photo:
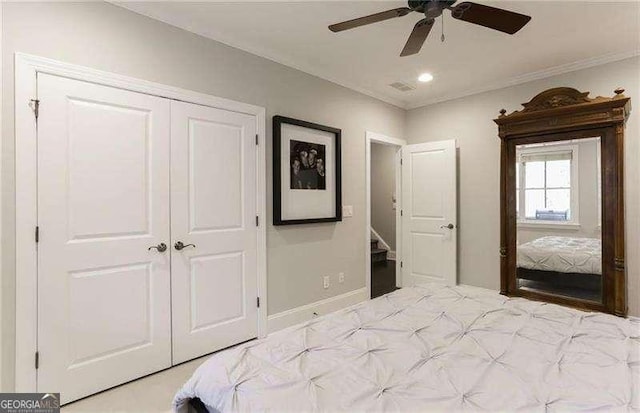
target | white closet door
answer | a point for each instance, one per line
(103, 200)
(213, 207)
(429, 210)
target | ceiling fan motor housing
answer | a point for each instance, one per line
(424, 5)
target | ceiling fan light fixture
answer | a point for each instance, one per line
(425, 77)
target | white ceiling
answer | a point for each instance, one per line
(562, 36)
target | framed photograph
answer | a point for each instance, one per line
(307, 185)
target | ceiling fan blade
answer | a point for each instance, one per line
(418, 36)
(373, 18)
(491, 17)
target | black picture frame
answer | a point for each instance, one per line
(277, 172)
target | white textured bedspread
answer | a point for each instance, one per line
(432, 348)
(562, 254)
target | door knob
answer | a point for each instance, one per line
(450, 226)
(162, 247)
(180, 245)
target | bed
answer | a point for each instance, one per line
(430, 348)
(562, 262)
(562, 254)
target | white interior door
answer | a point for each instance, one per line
(103, 200)
(213, 211)
(429, 211)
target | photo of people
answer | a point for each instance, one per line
(307, 165)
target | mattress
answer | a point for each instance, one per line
(562, 254)
(431, 348)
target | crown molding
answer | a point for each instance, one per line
(402, 104)
(530, 77)
(269, 55)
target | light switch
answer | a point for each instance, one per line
(347, 211)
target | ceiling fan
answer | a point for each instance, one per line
(491, 17)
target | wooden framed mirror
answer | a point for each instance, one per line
(562, 200)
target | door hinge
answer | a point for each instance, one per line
(37, 359)
(257, 221)
(400, 264)
(37, 234)
(400, 161)
(35, 105)
(256, 139)
(258, 301)
(401, 212)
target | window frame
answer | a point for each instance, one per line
(522, 220)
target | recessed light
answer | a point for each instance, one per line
(425, 77)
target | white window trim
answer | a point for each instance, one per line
(549, 224)
(574, 223)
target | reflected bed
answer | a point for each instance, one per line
(562, 255)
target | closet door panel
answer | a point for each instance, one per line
(213, 210)
(103, 200)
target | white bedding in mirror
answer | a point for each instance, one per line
(562, 254)
(431, 348)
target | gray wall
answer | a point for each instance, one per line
(383, 186)
(106, 37)
(469, 120)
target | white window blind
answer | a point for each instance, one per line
(546, 156)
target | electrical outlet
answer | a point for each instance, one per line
(347, 211)
(341, 277)
(325, 280)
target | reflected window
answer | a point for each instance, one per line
(545, 183)
(552, 259)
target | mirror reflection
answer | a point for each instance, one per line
(558, 203)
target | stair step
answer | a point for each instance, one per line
(374, 244)
(378, 255)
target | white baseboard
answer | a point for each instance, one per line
(303, 313)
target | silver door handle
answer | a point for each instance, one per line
(450, 226)
(180, 245)
(162, 247)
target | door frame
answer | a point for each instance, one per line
(26, 69)
(370, 138)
